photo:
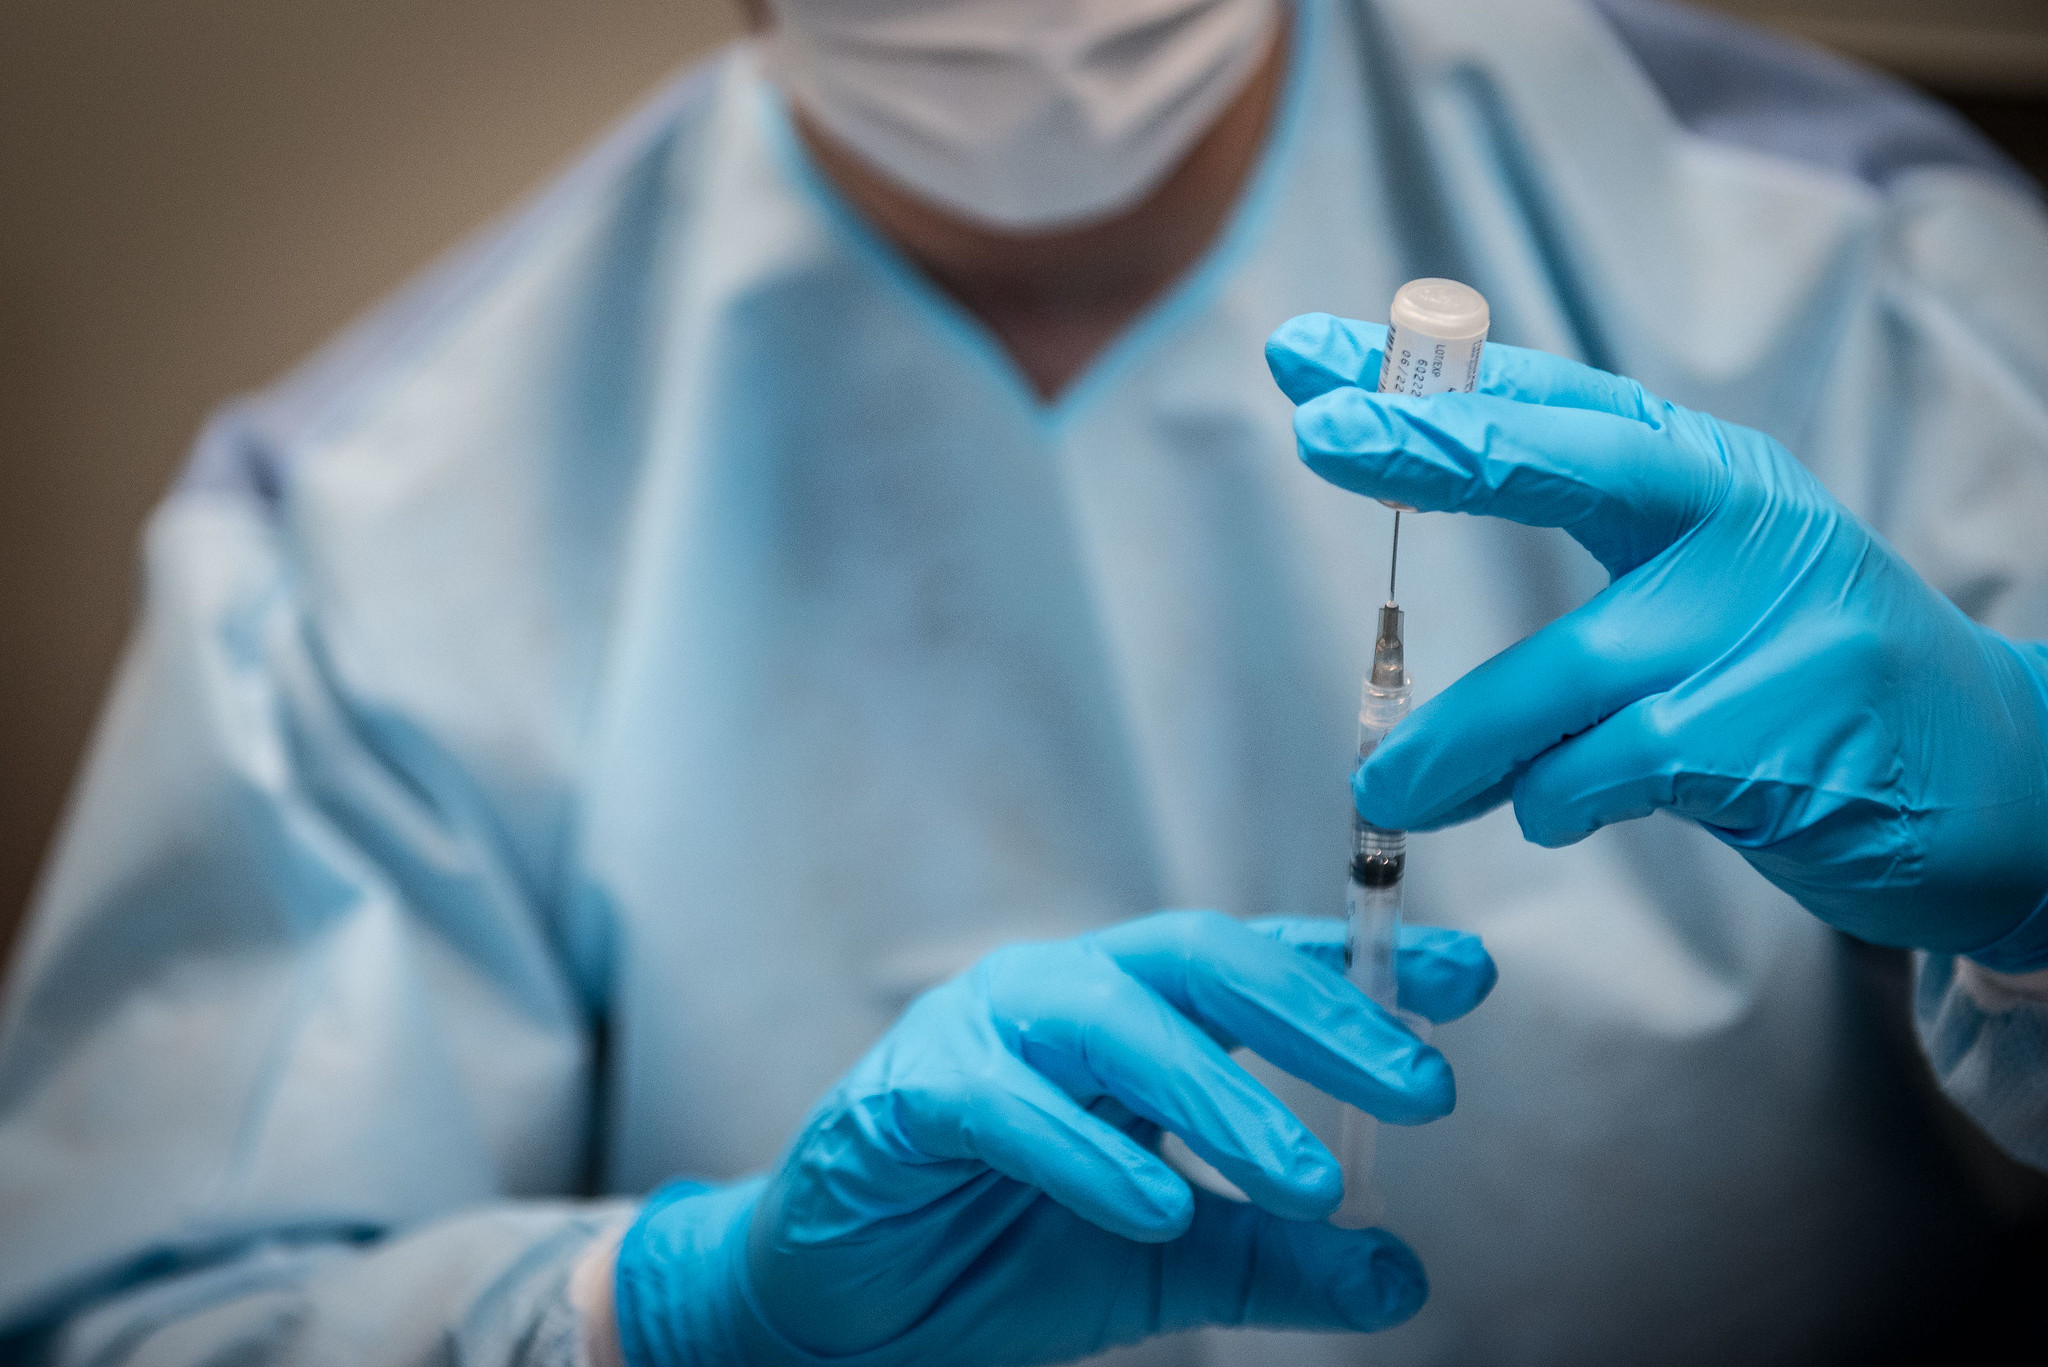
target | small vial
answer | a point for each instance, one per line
(1435, 331)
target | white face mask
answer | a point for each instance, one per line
(1021, 114)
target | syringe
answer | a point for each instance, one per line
(1437, 328)
(1372, 909)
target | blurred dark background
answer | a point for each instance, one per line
(195, 194)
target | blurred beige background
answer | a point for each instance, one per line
(194, 194)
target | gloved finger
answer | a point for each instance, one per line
(1094, 1030)
(1660, 754)
(1478, 805)
(1614, 772)
(1239, 1265)
(1442, 974)
(1621, 488)
(1455, 755)
(1293, 1012)
(1319, 352)
(1512, 372)
(1018, 1122)
(1320, 938)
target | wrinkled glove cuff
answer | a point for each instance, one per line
(683, 1296)
(2024, 949)
(678, 1278)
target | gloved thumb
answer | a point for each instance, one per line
(1239, 1265)
(1316, 353)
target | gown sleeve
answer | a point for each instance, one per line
(291, 1068)
(1987, 1036)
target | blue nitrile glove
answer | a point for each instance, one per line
(983, 1188)
(1761, 662)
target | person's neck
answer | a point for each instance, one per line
(1056, 299)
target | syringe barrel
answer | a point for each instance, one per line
(1380, 708)
(1379, 858)
(1373, 916)
(1372, 910)
(1358, 1143)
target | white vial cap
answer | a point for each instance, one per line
(1441, 309)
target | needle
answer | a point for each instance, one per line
(1394, 560)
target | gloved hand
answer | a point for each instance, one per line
(983, 1188)
(1761, 662)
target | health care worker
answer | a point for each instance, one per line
(847, 527)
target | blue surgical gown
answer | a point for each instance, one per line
(573, 714)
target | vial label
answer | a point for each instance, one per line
(1417, 365)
